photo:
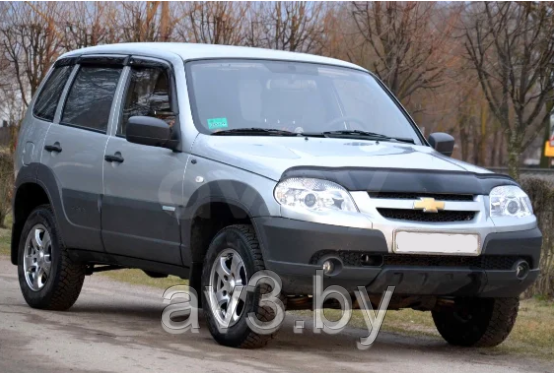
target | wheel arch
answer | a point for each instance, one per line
(28, 196)
(35, 185)
(212, 207)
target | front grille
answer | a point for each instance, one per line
(437, 196)
(361, 259)
(417, 215)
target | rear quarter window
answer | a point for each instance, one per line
(47, 100)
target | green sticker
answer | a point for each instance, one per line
(217, 123)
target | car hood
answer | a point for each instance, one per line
(270, 156)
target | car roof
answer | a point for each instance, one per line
(195, 51)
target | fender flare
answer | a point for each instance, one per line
(34, 174)
(232, 192)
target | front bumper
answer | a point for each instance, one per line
(295, 250)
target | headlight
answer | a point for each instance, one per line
(510, 200)
(314, 195)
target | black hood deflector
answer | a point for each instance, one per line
(404, 180)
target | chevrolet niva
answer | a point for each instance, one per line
(213, 163)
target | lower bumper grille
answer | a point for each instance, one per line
(360, 259)
(484, 262)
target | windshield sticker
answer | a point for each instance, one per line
(217, 123)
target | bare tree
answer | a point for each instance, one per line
(402, 43)
(88, 24)
(140, 21)
(212, 22)
(511, 47)
(31, 44)
(283, 25)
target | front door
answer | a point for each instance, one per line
(143, 184)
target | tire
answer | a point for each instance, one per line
(60, 288)
(239, 239)
(477, 322)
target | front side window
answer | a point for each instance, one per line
(292, 96)
(47, 100)
(90, 99)
(148, 94)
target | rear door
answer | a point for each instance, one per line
(39, 119)
(74, 148)
(143, 184)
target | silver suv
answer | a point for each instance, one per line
(213, 163)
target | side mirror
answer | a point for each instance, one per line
(148, 131)
(442, 142)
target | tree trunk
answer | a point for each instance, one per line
(545, 161)
(483, 134)
(494, 148)
(164, 22)
(514, 153)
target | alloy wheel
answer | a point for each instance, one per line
(228, 275)
(37, 257)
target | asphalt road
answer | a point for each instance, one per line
(116, 327)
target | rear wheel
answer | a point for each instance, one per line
(477, 322)
(47, 276)
(233, 257)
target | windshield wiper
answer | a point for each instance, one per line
(255, 131)
(372, 135)
(277, 132)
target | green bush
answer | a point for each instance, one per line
(541, 193)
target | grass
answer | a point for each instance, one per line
(533, 334)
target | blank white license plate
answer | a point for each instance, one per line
(436, 243)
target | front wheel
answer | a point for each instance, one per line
(233, 257)
(477, 322)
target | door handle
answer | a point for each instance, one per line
(56, 148)
(117, 158)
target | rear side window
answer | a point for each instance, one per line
(47, 100)
(148, 95)
(90, 98)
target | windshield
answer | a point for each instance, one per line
(291, 96)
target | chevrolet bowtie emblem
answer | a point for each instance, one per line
(428, 205)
